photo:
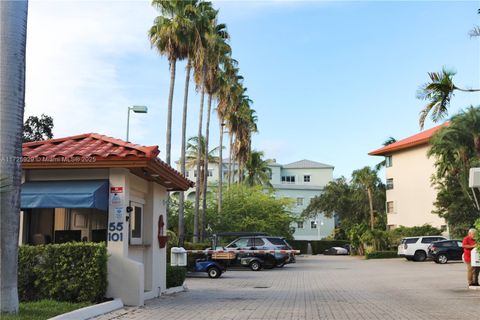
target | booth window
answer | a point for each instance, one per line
(136, 223)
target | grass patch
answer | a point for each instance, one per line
(43, 309)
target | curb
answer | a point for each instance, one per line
(175, 290)
(474, 288)
(91, 311)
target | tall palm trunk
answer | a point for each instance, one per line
(169, 111)
(230, 169)
(370, 203)
(220, 169)
(205, 168)
(198, 186)
(13, 34)
(181, 198)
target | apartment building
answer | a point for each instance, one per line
(410, 194)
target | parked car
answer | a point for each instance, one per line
(257, 261)
(416, 248)
(336, 251)
(444, 251)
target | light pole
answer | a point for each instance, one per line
(318, 223)
(136, 109)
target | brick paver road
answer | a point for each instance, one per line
(322, 287)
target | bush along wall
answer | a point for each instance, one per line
(73, 272)
(381, 255)
(175, 276)
(318, 246)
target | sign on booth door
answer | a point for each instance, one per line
(136, 223)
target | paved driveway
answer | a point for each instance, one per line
(322, 287)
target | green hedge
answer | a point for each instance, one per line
(73, 272)
(381, 255)
(318, 246)
(175, 276)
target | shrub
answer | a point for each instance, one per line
(318, 246)
(196, 246)
(73, 272)
(381, 255)
(175, 276)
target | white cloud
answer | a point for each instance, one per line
(74, 50)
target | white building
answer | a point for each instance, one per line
(410, 194)
(300, 181)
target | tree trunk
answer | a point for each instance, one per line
(181, 196)
(230, 160)
(205, 169)
(13, 33)
(169, 110)
(220, 169)
(198, 181)
(370, 203)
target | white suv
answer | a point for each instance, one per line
(416, 248)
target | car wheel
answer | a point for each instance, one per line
(442, 259)
(214, 272)
(255, 266)
(420, 255)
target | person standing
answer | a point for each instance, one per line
(468, 244)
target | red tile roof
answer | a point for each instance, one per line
(88, 145)
(106, 152)
(412, 141)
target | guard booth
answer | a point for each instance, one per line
(96, 188)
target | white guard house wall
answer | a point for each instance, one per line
(136, 271)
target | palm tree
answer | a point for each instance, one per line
(193, 11)
(438, 92)
(171, 35)
(194, 148)
(383, 163)
(456, 147)
(258, 171)
(217, 53)
(13, 34)
(367, 179)
(228, 82)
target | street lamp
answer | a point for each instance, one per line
(136, 109)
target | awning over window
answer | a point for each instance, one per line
(65, 194)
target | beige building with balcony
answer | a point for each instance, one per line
(410, 193)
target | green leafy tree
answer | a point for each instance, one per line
(38, 129)
(252, 209)
(456, 148)
(367, 179)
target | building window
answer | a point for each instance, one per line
(210, 172)
(313, 225)
(389, 184)
(195, 173)
(388, 161)
(299, 201)
(136, 223)
(300, 225)
(390, 207)
(270, 174)
(306, 178)
(288, 179)
(187, 174)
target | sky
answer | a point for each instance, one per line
(330, 80)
